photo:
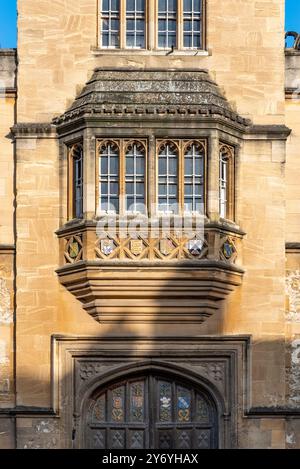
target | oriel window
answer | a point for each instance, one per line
(151, 24)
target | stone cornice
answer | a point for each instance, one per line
(7, 249)
(269, 131)
(33, 129)
(292, 247)
(8, 93)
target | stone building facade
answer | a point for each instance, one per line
(143, 335)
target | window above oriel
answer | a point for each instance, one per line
(152, 25)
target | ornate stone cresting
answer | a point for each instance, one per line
(141, 279)
(296, 38)
(150, 93)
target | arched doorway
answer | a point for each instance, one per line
(151, 411)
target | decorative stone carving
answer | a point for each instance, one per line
(293, 296)
(296, 37)
(6, 314)
(74, 249)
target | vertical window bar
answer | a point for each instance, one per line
(167, 23)
(226, 182)
(135, 177)
(168, 178)
(109, 178)
(77, 161)
(194, 178)
(192, 24)
(135, 24)
(110, 23)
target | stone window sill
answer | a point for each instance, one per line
(167, 53)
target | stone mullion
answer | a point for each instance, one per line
(122, 171)
(212, 175)
(152, 178)
(89, 164)
(123, 24)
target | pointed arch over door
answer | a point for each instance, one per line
(151, 411)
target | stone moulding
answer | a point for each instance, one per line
(82, 365)
(34, 129)
(171, 94)
(154, 285)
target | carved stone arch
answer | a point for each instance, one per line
(200, 145)
(162, 144)
(141, 145)
(103, 144)
(205, 433)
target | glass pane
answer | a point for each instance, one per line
(188, 190)
(140, 41)
(188, 41)
(172, 6)
(118, 404)
(165, 402)
(129, 165)
(162, 5)
(140, 189)
(130, 5)
(202, 411)
(105, 5)
(188, 166)
(114, 165)
(140, 5)
(99, 413)
(137, 402)
(162, 40)
(183, 405)
(115, 5)
(187, 5)
(140, 165)
(114, 204)
(197, 6)
(114, 188)
(129, 188)
(188, 26)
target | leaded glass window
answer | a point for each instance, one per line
(168, 177)
(151, 24)
(192, 24)
(194, 158)
(109, 177)
(110, 23)
(152, 412)
(121, 171)
(135, 24)
(167, 23)
(181, 176)
(135, 177)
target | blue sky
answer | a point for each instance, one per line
(8, 20)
